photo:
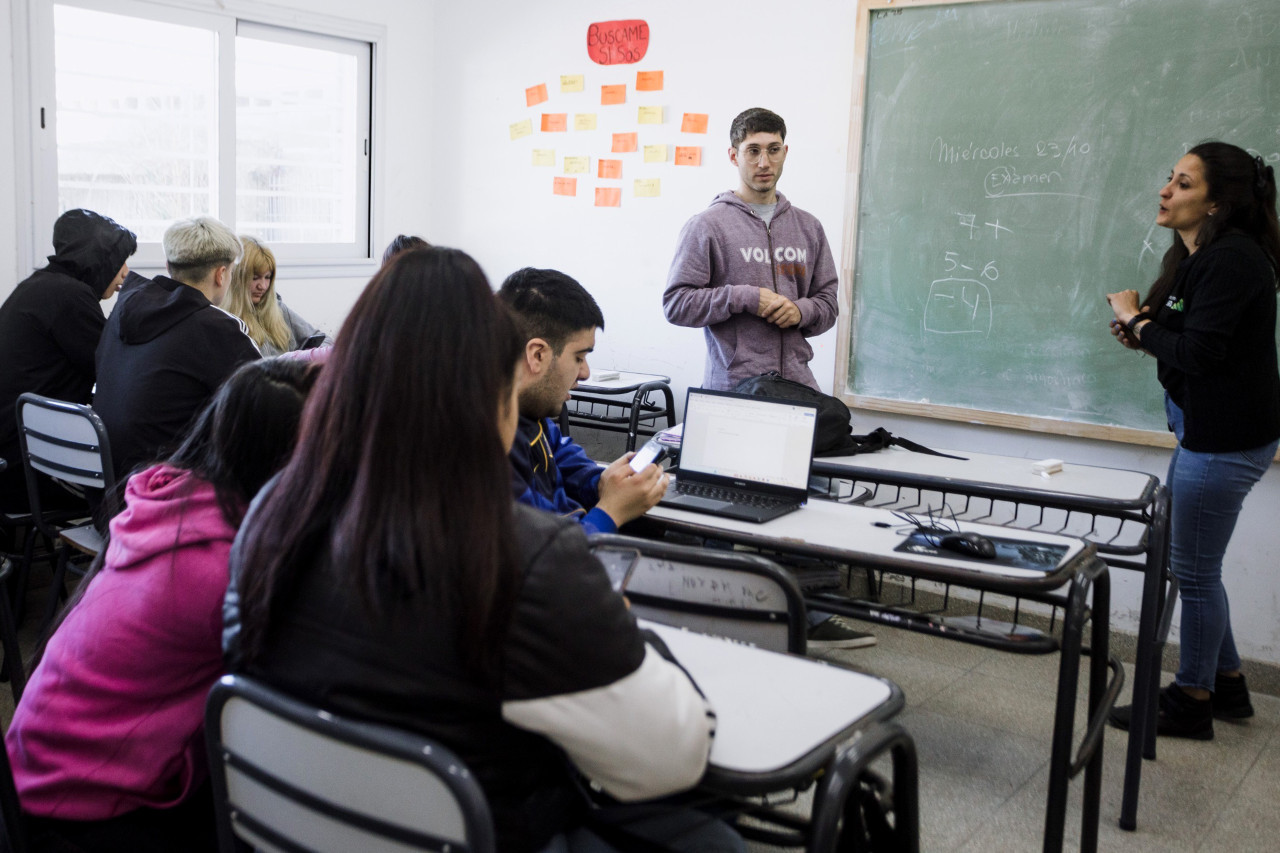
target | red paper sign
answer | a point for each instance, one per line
(617, 42)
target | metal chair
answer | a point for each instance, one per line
(729, 594)
(288, 776)
(13, 833)
(13, 669)
(67, 441)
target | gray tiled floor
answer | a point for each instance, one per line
(981, 723)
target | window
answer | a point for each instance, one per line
(161, 113)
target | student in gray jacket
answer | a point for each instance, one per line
(274, 327)
(755, 273)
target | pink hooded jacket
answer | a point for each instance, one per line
(112, 719)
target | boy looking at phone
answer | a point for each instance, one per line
(558, 319)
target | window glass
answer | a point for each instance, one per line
(137, 109)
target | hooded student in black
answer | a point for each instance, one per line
(50, 326)
(167, 347)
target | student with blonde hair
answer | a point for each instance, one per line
(252, 297)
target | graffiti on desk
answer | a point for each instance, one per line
(705, 585)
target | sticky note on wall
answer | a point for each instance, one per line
(535, 95)
(655, 153)
(648, 81)
(564, 186)
(608, 197)
(577, 165)
(648, 187)
(584, 121)
(572, 82)
(544, 157)
(650, 115)
(613, 95)
(611, 169)
(624, 142)
(521, 129)
(694, 123)
(688, 155)
(555, 122)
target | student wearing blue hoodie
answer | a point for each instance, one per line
(558, 320)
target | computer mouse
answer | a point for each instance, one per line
(969, 544)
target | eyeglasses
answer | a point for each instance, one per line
(757, 155)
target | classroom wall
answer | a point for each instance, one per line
(455, 80)
(795, 59)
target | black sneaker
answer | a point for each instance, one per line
(1178, 715)
(837, 633)
(1231, 698)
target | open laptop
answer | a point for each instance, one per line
(743, 456)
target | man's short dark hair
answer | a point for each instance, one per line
(550, 305)
(756, 120)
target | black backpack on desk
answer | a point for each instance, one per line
(834, 433)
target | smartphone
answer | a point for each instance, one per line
(619, 563)
(312, 342)
(651, 452)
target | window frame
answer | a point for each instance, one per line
(40, 205)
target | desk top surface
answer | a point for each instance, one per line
(772, 709)
(871, 535)
(1113, 488)
(625, 382)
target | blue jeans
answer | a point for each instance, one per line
(1206, 492)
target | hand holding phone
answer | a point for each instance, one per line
(649, 454)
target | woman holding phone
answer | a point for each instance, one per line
(252, 297)
(1210, 321)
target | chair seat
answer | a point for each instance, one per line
(84, 538)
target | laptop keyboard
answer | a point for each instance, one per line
(721, 493)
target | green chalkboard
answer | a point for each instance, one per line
(1008, 164)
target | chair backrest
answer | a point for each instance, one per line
(729, 594)
(289, 776)
(64, 440)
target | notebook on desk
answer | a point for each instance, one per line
(743, 456)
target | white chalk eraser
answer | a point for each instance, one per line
(1046, 466)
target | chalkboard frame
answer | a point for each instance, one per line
(844, 351)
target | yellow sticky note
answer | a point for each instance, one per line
(688, 155)
(648, 187)
(572, 82)
(650, 115)
(521, 129)
(655, 153)
(535, 94)
(584, 121)
(544, 157)
(577, 165)
(648, 81)
(564, 186)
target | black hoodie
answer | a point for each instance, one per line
(165, 351)
(51, 323)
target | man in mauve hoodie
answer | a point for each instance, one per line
(754, 272)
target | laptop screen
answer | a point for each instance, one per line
(762, 440)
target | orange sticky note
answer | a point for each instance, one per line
(555, 122)
(565, 186)
(694, 123)
(535, 94)
(609, 169)
(608, 196)
(648, 81)
(613, 94)
(624, 142)
(688, 155)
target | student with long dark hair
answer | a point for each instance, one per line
(388, 575)
(1210, 321)
(107, 743)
